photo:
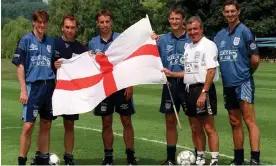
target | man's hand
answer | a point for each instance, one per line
(57, 64)
(167, 72)
(23, 97)
(128, 92)
(154, 36)
(100, 54)
(201, 100)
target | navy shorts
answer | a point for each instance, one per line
(177, 88)
(39, 101)
(232, 95)
(71, 117)
(191, 96)
(116, 102)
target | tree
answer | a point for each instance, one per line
(11, 33)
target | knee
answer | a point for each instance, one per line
(235, 122)
(69, 125)
(209, 129)
(45, 125)
(171, 122)
(127, 122)
(28, 128)
(249, 121)
(107, 124)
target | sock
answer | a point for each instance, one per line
(67, 156)
(130, 153)
(200, 160)
(22, 160)
(108, 155)
(215, 156)
(239, 156)
(255, 155)
(171, 150)
(195, 152)
(43, 159)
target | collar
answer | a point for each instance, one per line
(183, 36)
(43, 39)
(233, 31)
(63, 38)
(108, 41)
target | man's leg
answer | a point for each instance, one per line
(43, 141)
(171, 135)
(200, 139)
(107, 135)
(248, 113)
(129, 139)
(69, 139)
(213, 139)
(25, 142)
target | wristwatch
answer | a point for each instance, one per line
(204, 91)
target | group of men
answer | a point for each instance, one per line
(190, 62)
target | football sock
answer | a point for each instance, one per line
(215, 156)
(255, 155)
(130, 153)
(200, 160)
(239, 156)
(22, 160)
(171, 150)
(195, 152)
(67, 156)
(108, 155)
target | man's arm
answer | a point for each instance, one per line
(21, 78)
(169, 73)
(254, 62)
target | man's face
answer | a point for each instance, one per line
(176, 21)
(40, 25)
(231, 13)
(69, 29)
(194, 30)
(105, 24)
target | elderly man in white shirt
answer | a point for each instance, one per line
(200, 63)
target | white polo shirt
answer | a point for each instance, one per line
(198, 58)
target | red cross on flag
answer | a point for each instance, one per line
(85, 80)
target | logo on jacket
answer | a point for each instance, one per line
(169, 48)
(33, 47)
(222, 44)
(49, 48)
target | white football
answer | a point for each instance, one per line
(186, 158)
(54, 160)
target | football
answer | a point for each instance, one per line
(186, 158)
(54, 160)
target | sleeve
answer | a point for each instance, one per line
(249, 42)
(90, 46)
(54, 58)
(20, 54)
(211, 56)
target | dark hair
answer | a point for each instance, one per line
(70, 17)
(195, 18)
(177, 10)
(40, 14)
(104, 12)
(231, 2)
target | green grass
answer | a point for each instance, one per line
(148, 125)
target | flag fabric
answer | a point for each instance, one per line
(86, 79)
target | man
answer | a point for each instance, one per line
(239, 59)
(200, 62)
(65, 46)
(121, 101)
(171, 49)
(33, 59)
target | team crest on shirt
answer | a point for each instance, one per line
(253, 46)
(236, 41)
(49, 48)
(67, 45)
(182, 60)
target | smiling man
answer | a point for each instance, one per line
(34, 63)
(200, 63)
(65, 46)
(239, 59)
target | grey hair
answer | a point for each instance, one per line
(193, 19)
